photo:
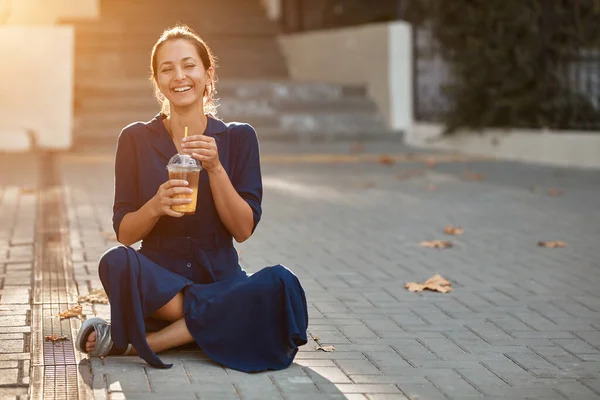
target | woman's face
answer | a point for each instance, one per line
(181, 76)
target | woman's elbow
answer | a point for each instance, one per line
(241, 237)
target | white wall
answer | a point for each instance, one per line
(273, 8)
(378, 56)
(36, 89)
(47, 12)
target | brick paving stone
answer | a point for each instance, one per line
(9, 376)
(522, 321)
(11, 346)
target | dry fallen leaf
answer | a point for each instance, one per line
(95, 296)
(552, 244)
(435, 283)
(73, 312)
(453, 230)
(387, 160)
(54, 338)
(437, 244)
(363, 185)
(328, 349)
(555, 192)
(357, 148)
(430, 162)
(26, 190)
(471, 176)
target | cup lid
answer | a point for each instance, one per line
(184, 160)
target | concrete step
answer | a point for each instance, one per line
(176, 7)
(272, 90)
(228, 106)
(332, 123)
(204, 25)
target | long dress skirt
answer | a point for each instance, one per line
(249, 323)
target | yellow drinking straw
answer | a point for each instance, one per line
(185, 132)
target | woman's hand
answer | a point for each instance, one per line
(204, 149)
(164, 197)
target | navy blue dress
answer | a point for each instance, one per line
(246, 322)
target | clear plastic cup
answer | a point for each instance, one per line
(185, 167)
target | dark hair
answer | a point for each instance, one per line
(206, 55)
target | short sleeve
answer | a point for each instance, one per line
(247, 178)
(125, 200)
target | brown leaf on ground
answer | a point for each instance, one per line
(437, 244)
(95, 296)
(26, 190)
(555, 192)
(552, 244)
(357, 148)
(453, 230)
(472, 176)
(386, 160)
(363, 185)
(436, 283)
(73, 312)
(328, 349)
(430, 162)
(409, 174)
(54, 338)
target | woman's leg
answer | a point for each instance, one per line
(173, 335)
(172, 311)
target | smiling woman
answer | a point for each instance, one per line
(186, 284)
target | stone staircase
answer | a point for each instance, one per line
(112, 87)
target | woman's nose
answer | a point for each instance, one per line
(180, 74)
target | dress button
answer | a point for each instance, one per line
(189, 265)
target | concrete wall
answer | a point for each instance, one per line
(36, 89)
(378, 56)
(47, 12)
(546, 147)
(273, 8)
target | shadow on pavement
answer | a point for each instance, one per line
(195, 376)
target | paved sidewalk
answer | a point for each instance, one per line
(523, 322)
(18, 195)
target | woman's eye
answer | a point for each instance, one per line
(167, 70)
(189, 65)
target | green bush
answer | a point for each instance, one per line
(510, 60)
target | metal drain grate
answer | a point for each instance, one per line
(54, 364)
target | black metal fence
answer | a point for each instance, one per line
(580, 73)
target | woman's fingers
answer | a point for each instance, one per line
(177, 190)
(174, 183)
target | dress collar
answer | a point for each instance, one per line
(163, 142)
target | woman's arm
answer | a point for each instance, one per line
(237, 200)
(233, 211)
(137, 224)
(130, 221)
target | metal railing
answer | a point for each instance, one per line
(578, 74)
